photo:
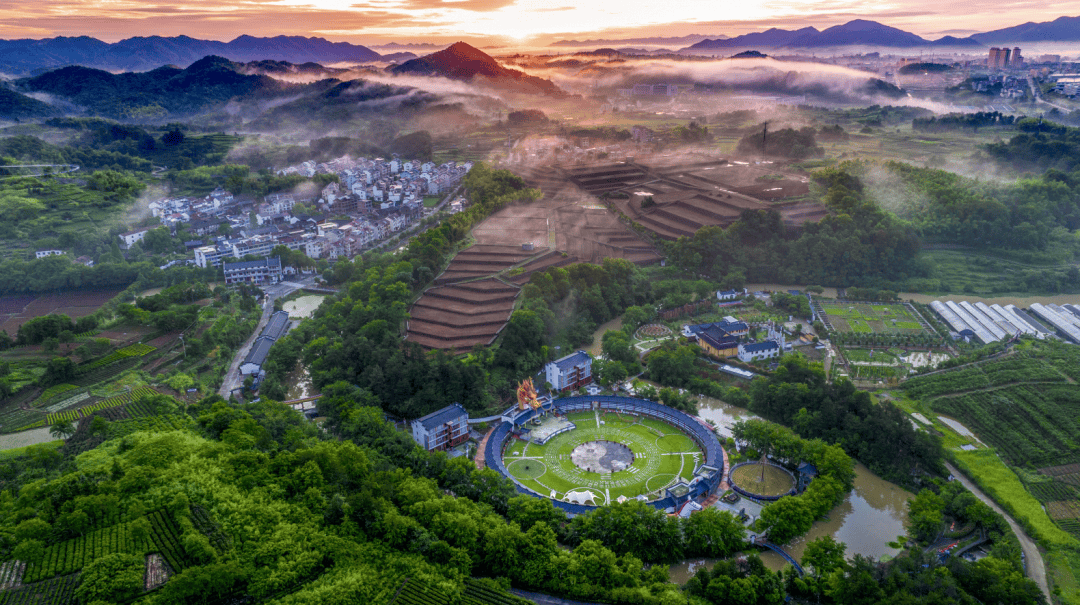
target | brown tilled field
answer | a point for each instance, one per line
(569, 222)
(690, 191)
(1069, 473)
(457, 317)
(19, 309)
(1063, 509)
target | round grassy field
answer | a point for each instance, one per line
(776, 483)
(662, 455)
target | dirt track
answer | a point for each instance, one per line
(1036, 570)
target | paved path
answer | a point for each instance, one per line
(1036, 570)
(546, 599)
(233, 379)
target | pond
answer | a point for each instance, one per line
(871, 516)
(303, 307)
(299, 382)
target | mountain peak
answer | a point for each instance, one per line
(460, 61)
(464, 51)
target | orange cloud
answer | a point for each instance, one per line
(373, 22)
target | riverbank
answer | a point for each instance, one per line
(873, 514)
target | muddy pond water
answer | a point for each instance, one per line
(871, 516)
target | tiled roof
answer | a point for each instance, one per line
(570, 361)
(441, 417)
(259, 351)
(252, 264)
(755, 347)
(277, 326)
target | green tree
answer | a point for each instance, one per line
(787, 518)
(62, 429)
(824, 556)
(114, 577)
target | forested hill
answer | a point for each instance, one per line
(148, 52)
(208, 82)
(17, 106)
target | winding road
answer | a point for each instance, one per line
(1036, 570)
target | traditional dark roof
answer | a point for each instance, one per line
(717, 337)
(755, 347)
(572, 360)
(724, 326)
(806, 468)
(277, 326)
(440, 417)
(253, 264)
(260, 349)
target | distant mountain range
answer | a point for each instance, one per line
(145, 53)
(463, 62)
(655, 41)
(859, 32)
(264, 89)
(1062, 29)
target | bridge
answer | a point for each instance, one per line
(761, 542)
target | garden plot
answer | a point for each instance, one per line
(872, 318)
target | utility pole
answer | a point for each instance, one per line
(764, 138)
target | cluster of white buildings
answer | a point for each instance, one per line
(331, 239)
(374, 200)
(381, 183)
(174, 211)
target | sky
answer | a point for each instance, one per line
(499, 22)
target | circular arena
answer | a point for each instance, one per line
(763, 481)
(653, 331)
(593, 450)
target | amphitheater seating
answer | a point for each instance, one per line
(701, 434)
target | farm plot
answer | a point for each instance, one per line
(1023, 423)
(15, 419)
(109, 402)
(1066, 473)
(417, 592)
(70, 556)
(17, 310)
(55, 591)
(872, 318)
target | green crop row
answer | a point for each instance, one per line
(72, 555)
(69, 415)
(119, 400)
(57, 591)
(53, 392)
(166, 537)
(135, 350)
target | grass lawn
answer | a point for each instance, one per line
(662, 454)
(431, 200)
(998, 480)
(859, 326)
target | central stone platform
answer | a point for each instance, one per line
(602, 456)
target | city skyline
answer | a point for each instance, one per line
(496, 22)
